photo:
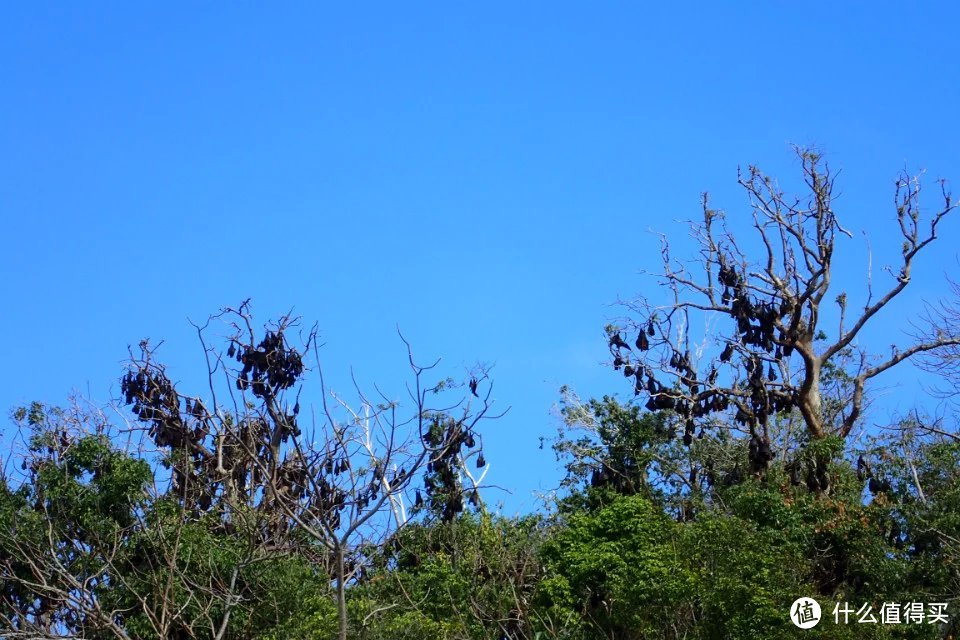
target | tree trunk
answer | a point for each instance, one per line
(809, 400)
(341, 593)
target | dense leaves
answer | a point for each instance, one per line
(630, 551)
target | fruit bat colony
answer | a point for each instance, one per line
(269, 368)
(442, 481)
(759, 348)
(243, 459)
(775, 313)
(256, 459)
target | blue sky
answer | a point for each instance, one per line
(485, 177)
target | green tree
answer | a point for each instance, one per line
(63, 523)
(742, 546)
(470, 578)
(88, 549)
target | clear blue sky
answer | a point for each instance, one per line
(485, 177)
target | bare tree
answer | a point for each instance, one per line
(772, 359)
(333, 488)
(943, 319)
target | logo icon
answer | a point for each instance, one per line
(805, 613)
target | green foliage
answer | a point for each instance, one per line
(637, 551)
(472, 577)
(80, 527)
(61, 524)
(620, 446)
(196, 568)
(626, 563)
(617, 569)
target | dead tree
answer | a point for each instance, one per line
(943, 319)
(344, 482)
(771, 357)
